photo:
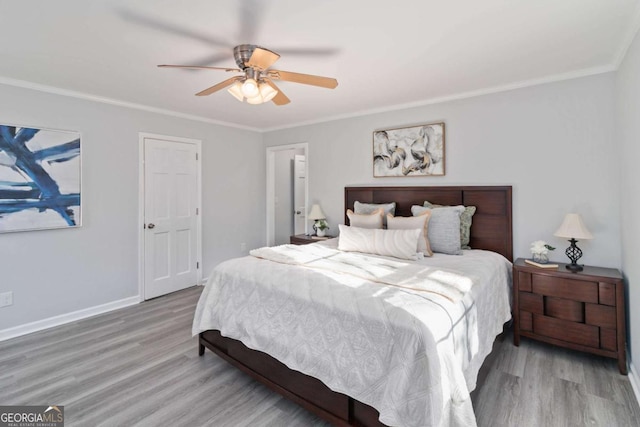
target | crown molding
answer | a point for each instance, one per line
(112, 101)
(455, 97)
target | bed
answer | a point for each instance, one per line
(341, 402)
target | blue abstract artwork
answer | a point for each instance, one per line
(39, 179)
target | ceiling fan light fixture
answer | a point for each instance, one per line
(236, 91)
(250, 88)
(267, 92)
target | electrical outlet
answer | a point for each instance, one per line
(243, 247)
(6, 299)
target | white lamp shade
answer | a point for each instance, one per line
(250, 88)
(255, 100)
(316, 213)
(267, 92)
(573, 228)
(236, 91)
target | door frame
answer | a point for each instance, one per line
(141, 193)
(271, 186)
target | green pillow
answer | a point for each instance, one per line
(465, 222)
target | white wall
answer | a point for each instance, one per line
(553, 143)
(55, 272)
(628, 140)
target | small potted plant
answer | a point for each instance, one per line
(540, 251)
(321, 226)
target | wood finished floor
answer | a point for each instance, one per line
(139, 366)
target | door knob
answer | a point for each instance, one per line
(151, 225)
(298, 212)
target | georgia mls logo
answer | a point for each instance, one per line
(32, 416)
(53, 408)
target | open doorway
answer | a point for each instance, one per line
(287, 192)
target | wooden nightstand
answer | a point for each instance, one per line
(582, 311)
(303, 239)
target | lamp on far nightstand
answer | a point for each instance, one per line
(316, 215)
(573, 228)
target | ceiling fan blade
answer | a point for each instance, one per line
(219, 86)
(200, 67)
(280, 98)
(262, 58)
(156, 24)
(319, 51)
(210, 60)
(306, 79)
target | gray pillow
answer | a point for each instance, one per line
(367, 208)
(465, 223)
(444, 228)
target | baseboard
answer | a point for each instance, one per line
(51, 322)
(635, 381)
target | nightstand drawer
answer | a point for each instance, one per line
(577, 333)
(600, 315)
(526, 321)
(564, 309)
(608, 339)
(531, 302)
(524, 281)
(607, 293)
(577, 290)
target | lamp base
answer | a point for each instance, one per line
(574, 253)
(574, 267)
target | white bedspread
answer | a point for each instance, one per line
(410, 276)
(412, 355)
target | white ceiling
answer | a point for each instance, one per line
(384, 54)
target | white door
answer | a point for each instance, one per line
(299, 186)
(170, 216)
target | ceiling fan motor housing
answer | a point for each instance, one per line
(242, 53)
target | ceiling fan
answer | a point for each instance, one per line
(255, 84)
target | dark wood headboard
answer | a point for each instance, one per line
(491, 228)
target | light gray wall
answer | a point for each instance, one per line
(553, 143)
(55, 272)
(628, 141)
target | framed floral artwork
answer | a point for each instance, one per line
(409, 151)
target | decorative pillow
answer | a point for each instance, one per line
(370, 220)
(367, 208)
(395, 243)
(465, 222)
(409, 223)
(444, 228)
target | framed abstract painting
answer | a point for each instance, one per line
(40, 177)
(409, 151)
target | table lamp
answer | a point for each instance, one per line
(316, 215)
(573, 228)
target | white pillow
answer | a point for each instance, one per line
(395, 243)
(420, 222)
(444, 228)
(372, 220)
